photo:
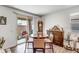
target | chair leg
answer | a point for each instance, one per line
(34, 50)
(52, 49)
(51, 46)
(43, 50)
(25, 47)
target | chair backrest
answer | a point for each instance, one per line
(51, 37)
(38, 43)
(26, 37)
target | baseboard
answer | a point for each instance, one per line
(11, 47)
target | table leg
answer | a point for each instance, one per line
(34, 50)
(43, 50)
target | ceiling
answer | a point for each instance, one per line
(41, 9)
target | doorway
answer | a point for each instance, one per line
(22, 25)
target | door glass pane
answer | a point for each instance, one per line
(22, 22)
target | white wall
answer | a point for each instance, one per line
(8, 31)
(61, 18)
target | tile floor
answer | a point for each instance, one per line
(57, 49)
(21, 49)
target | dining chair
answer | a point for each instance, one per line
(38, 44)
(51, 38)
(26, 39)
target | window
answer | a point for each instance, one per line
(22, 22)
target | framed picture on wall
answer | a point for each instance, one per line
(2, 20)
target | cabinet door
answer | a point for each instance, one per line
(58, 38)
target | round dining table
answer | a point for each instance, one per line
(46, 40)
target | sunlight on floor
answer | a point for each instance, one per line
(21, 41)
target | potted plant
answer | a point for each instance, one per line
(2, 42)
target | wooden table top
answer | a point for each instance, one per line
(40, 43)
(45, 40)
(40, 37)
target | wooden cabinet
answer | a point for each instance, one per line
(58, 38)
(58, 35)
